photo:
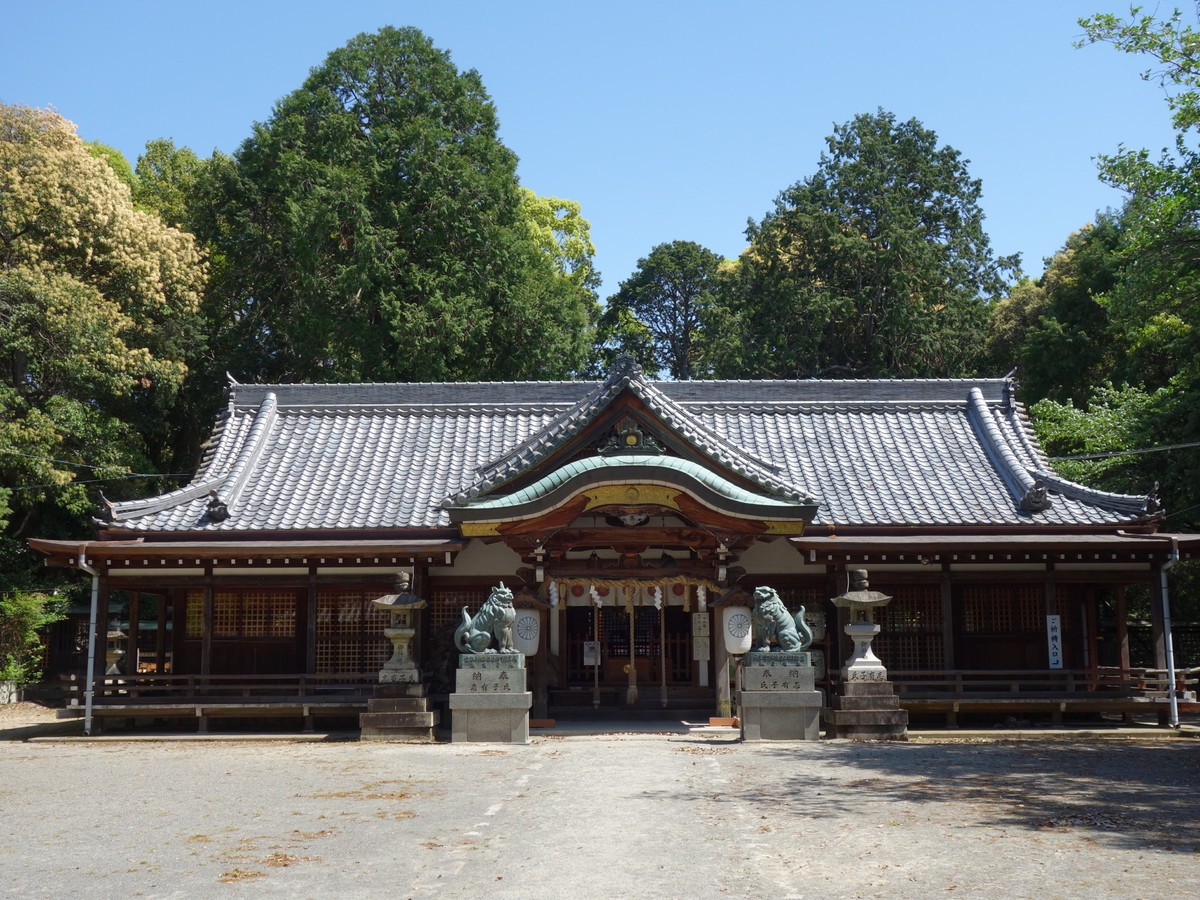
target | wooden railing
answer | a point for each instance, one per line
(153, 689)
(1018, 683)
(1053, 692)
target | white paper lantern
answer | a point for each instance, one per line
(738, 629)
(527, 631)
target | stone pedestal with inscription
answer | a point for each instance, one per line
(490, 702)
(778, 701)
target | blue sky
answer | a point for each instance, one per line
(665, 120)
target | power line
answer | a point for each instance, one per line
(32, 487)
(1125, 452)
(79, 465)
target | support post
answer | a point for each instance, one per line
(947, 600)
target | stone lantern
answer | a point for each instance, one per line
(862, 602)
(867, 708)
(401, 605)
(114, 650)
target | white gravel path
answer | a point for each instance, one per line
(663, 816)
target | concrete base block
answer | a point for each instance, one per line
(491, 718)
(781, 715)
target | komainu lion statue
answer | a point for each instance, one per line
(494, 620)
(772, 621)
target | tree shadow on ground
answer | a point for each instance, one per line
(1138, 795)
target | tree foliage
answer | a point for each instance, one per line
(1152, 305)
(378, 199)
(876, 265)
(22, 617)
(97, 306)
(664, 307)
(1056, 330)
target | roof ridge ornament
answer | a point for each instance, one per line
(626, 366)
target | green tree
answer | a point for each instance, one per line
(116, 161)
(372, 229)
(877, 265)
(1154, 319)
(670, 295)
(166, 182)
(97, 306)
(1152, 305)
(1056, 330)
(23, 615)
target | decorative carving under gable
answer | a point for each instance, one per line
(628, 437)
(626, 495)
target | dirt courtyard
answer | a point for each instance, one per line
(647, 815)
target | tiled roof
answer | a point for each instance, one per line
(389, 456)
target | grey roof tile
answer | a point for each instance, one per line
(385, 456)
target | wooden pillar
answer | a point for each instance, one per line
(1122, 631)
(207, 621)
(100, 648)
(1090, 608)
(1051, 590)
(160, 636)
(131, 639)
(1122, 613)
(721, 661)
(310, 622)
(947, 598)
(1157, 624)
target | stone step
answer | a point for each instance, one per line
(410, 735)
(866, 703)
(393, 690)
(867, 689)
(399, 705)
(399, 719)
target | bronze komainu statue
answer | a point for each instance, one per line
(772, 622)
(493, 621)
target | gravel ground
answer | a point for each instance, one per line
(658, 816)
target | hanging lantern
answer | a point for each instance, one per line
(738, 629)
(527, 631)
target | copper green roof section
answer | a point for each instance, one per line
(562, 484)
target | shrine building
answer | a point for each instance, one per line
(619, 512)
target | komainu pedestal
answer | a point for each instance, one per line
(778, 701)
(490, 702)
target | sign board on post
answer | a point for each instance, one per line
(591, 653)
(1054, 641)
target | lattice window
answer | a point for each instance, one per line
(350, 635)
(445, 606)
(1003, 609)
(225, 614)
(911, 629)
(244, 614)
(268, 614)
(195, 614)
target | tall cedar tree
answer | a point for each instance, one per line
(670, 294)
(372, 230)
(875, 266)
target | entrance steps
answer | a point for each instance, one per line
(685, 702)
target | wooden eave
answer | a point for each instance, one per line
(166, 555)
(995, 548)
